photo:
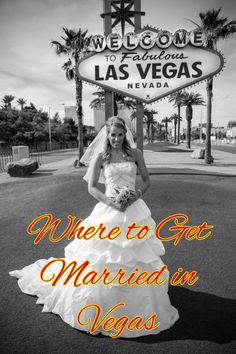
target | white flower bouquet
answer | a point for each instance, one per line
(123, 195)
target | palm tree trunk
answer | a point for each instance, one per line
(152, 133)
(188, 133)
(175, 123)
(79, 113)
(189, 115)
(139, 125)
(115, 105)
(208, 158)
(148, 132)
(178, 134)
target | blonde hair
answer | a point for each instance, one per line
(118, 123)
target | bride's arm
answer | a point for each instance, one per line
(143, 171)
(93, 181)
(138, 156)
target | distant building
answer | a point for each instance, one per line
(99, 116)
(231, 133)
(125, 113)
(213, 129)
(70, 112)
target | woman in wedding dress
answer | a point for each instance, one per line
(120, 303)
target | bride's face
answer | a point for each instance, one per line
(116, 137)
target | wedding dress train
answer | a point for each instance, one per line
(134, 255)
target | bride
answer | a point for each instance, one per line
(124, 306)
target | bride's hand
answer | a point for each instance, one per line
(135, 197)
(117, 206)
(123, 206)
(131, 200)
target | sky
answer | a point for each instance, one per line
(30, 69)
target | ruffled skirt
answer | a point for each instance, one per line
(106, 307)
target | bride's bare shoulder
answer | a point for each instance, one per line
(136, 154)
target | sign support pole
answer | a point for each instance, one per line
(107, 25)
(109, 96)
(139, 125)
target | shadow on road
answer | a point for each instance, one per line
(42, 173)
(203, 317)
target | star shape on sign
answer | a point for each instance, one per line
(122, 13)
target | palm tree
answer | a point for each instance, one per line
(189, 100)
(74, 46)
(166, 120)
(159, 127)
(118, 100)
(176, 98)
(174, 117)
(150, 121)
(214, 28)
(154, 126)
(148, 118)
(99, 100)
(21, 102)
(7, 100)
(231, 124)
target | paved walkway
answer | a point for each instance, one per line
(171, 157)
(179, 157)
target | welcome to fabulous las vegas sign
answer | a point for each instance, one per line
(149, 65)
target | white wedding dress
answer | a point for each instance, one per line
(67, 300)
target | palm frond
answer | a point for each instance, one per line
(97, 102)
(59, 48)
(192, 98)
(195, 23)
(67, 65)
(70, 74)
(215, 27)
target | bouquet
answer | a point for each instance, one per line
(123, 195)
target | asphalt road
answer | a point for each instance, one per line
(57, 155)
(159, 146)
(207, 309)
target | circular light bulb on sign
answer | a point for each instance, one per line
(197, 37)
(130, 41)
(147, 40)
(98, 43)
(164, 39)
(114, 41)
(180, 38)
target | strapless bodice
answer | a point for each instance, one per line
(119, 174)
